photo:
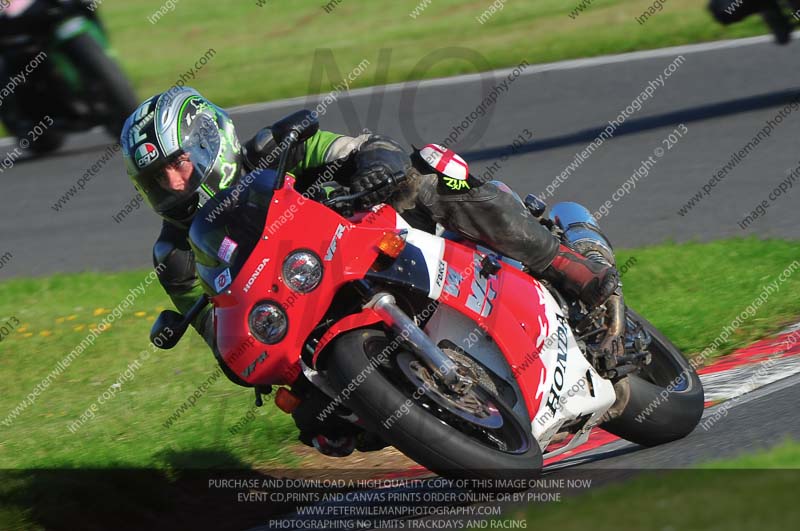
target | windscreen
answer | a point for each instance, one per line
(227, 228)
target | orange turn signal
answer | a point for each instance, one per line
(286, 400)
(392, 244)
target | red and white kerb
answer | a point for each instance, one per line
(445, 161)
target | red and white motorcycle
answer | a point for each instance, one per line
(442, 348)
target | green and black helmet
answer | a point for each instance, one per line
(167, 126)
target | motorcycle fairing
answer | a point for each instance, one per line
(516, 313)
(567, 386)
(514, 307)
(351, 249)
(420, 266)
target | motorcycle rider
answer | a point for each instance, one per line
(731, 11)
(180, 149)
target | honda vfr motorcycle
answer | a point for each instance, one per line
(442, 348)
(57, 66)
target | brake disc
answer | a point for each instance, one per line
(475, 406)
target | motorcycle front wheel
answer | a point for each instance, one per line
(103, 76)
(496, 444)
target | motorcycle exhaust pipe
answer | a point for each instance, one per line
(582, 232)
(613, 343)
(437, 361)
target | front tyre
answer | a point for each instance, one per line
(420, 429)
(104, 80)
(664, 401)
(48, 142)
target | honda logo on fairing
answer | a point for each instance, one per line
(255, 274)
(332, 246)
(554, 395)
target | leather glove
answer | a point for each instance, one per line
(381, 166)
(379, 179)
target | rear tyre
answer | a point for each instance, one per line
(417, 427)
(665, 400)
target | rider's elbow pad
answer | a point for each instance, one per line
(175, 266)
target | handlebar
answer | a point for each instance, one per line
(350, 199)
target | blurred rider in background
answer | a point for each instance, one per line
(774, 13)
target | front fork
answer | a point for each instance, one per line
(67, 30)
(438, 362)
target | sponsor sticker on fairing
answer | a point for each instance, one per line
(223, 280)
(226, 249)
(440, 274)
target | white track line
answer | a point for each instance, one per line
(743, 379)
(570, 64)
(761, 392)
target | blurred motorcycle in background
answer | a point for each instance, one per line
(781, 16)
(58, 72)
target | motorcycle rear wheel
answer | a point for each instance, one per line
(416, 430)
(666, 399)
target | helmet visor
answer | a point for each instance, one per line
(202, 142)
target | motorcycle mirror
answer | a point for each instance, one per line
(304, 123)
(535, 205)
(168, 329)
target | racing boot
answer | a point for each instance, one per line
(590, 281)
(334, 447)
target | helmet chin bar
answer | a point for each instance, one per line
(183, 213)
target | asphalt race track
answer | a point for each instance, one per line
(722, 93)
(757, 421)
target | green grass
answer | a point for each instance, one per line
(266, 53)
(127, 430)
(753, 492)
(690, 291)
(783, 456)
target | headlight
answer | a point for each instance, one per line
(302, 271)
(268, 322)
